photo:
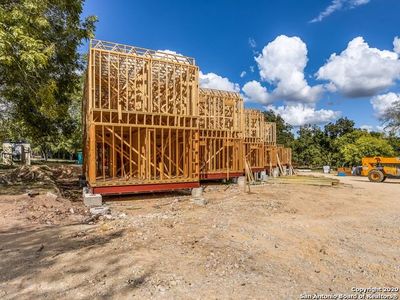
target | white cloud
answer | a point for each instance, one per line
(396, 45)
(243, 74)
(169, 52)
(361, 71)
(255, 92)
(282, 64)
(376, 128)
(334, 6)
(301, 114)
(171, 55)
(338, 5)
(214, 81)
(382, 103)
(368, 128)
(252, 69)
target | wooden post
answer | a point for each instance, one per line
(92, 155)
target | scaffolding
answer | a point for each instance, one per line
(221, 134)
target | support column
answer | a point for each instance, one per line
(7, 154)
(26, 154)
(92, 154)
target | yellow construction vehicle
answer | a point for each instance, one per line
(379, 168)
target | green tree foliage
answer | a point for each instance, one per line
(309, 148)
(340, 144)
(333, 131)
(365, 145)
(40, 67)
(284, 135)
(339, 128)
(394, 141)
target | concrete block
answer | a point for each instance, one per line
(285, 170)
(199, 201)
(26, 154)
(7, 154)
(91, 200)
(197, 192)
(101, 210)
(263, 176)
(241, 181)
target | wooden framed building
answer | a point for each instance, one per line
(221, 134)
(276, 155)
(148, 126)
(270, 134)
(140, 120)
(254, 139)
(285, 155)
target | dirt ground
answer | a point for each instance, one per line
(282, 241)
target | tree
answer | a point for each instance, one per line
(284, 133)
(339, 128)
(391, 117)
(309, 149)
(333, 131)
(394, 141)
(365, 145)
(40, 66)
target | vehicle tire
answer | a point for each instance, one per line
(375, 176)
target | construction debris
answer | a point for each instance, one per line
(101, 210)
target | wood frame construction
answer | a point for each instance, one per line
(140, 118)
(273, 152)
(148, 126)
(221, 134)
(285, 155)
(270, 133)
(254, 139)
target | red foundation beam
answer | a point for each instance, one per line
(211, 176)
(257, 169)
(143, 188)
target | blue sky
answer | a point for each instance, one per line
(287, 43)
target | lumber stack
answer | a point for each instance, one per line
(307, 180)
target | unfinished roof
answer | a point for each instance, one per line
(143, 52)
(129, 79)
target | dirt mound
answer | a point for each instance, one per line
(62, 179)
(27, 174)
